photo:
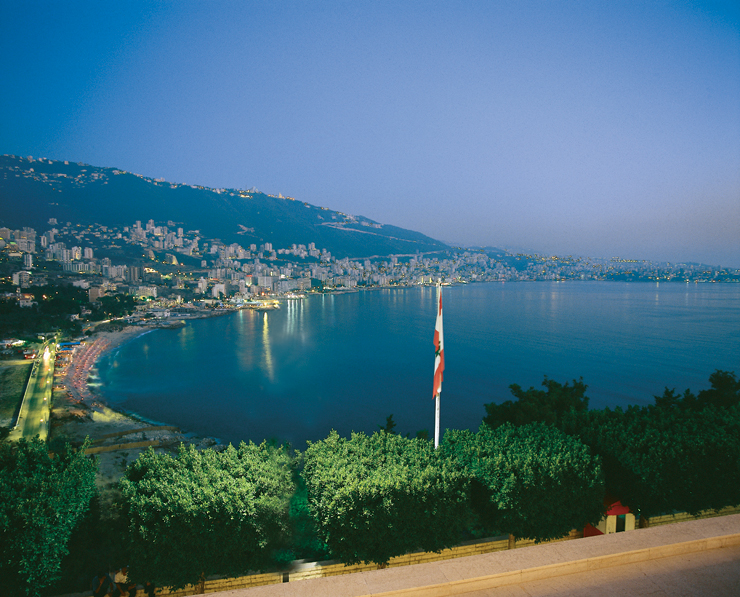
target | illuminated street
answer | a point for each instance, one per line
(34, 413)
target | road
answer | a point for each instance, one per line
(33, 418)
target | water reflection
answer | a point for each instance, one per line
(267, 348)
(186, 337)
(246, 338)
(293, 321)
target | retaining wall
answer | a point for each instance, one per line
(304, 571)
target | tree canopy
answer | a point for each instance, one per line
(680, 454)
(206, 512)
(538, 405)
(42, 498)
(381, 496)
(724, 392)
(660, 460)
(535, 481)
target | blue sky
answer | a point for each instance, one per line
(587, 128)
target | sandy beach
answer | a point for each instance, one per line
(78, 370)
(80, 411)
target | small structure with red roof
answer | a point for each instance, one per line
(618, 518)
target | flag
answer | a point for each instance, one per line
(439, 351)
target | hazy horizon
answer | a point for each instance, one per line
(592, 129)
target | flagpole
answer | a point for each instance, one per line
(438, 363)
(436, 421)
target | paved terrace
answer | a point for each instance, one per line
(694, 558)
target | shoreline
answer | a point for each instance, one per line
(83, 411)
(75, 378)
(116, 438)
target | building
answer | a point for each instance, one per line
(618, 519)
(95, 293)
(22, 279)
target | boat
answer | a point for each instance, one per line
(262, 305)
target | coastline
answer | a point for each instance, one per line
(75, 379)
(80, 410)
(116, 438)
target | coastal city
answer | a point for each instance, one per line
(174, 272)
(370, 298)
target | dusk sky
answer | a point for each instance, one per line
(588, 128)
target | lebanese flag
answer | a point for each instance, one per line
(439, 351)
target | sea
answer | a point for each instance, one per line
(348, 361)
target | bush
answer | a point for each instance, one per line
(205, 513)
(531, 481)
(42, 498)
(382, 496)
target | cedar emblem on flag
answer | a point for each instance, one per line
(439, 351)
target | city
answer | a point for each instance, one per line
(175, 272)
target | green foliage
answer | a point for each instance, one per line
(42, 498)
(54, 304)
(531, 481)
(97, 543)
(381, 496)
(305, 543)
(723, 393)
(116, 305)
(206, 512)
(662, 459)
(682, 454)
(389, 426)
(537, 405)
(423, 434)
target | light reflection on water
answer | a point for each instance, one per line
(348, 361)
(266, 350)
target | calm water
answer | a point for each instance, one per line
(348, 361)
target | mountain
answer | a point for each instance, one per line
(34, 190)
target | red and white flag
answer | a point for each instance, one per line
(439, 351)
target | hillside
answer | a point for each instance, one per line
(34, 190)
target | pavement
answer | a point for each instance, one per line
(712, 573)
(696, 558)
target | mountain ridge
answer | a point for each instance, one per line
(33, 190)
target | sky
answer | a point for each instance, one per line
(602, 129)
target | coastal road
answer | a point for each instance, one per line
(33, 418)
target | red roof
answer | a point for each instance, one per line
(616, 509)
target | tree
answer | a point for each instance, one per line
(681, 454)
(42, 498)
(206, 512)
(382, 496)
(661, 459)
(537, 405)
(723, 393)
(531, 481)
(389, 426)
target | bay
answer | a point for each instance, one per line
(347, 361)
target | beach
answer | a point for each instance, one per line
(79, 411)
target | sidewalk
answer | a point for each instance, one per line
(700, 557)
